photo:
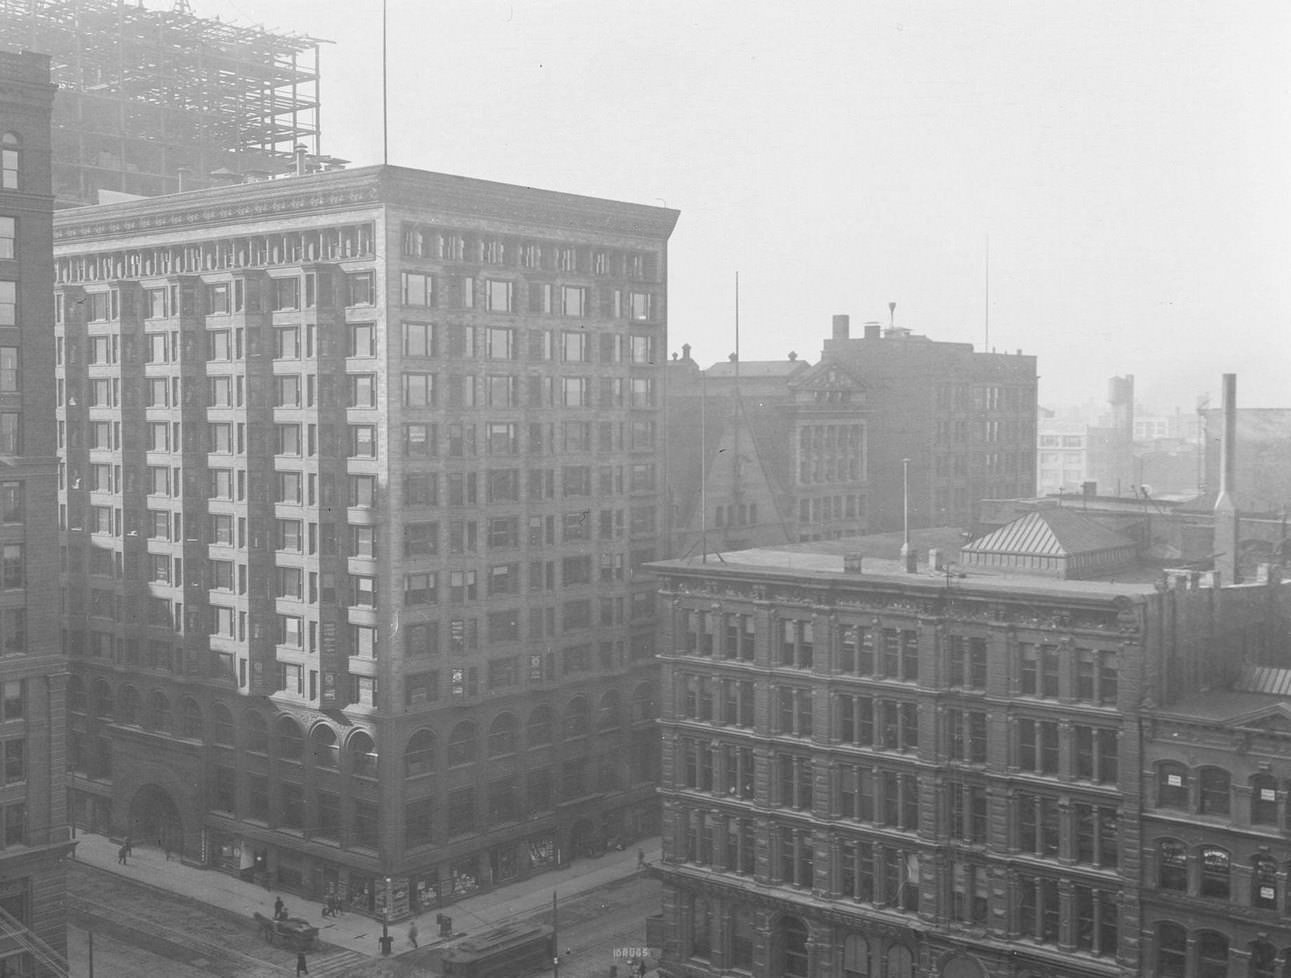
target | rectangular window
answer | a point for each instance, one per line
(418, 390)
(8, 234)
(363, 340)
(360, 289)
(573, 300)
(417, 289)
(418, 340)
(499, 295)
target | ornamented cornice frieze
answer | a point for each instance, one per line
(214, 215)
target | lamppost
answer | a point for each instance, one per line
(386, 940)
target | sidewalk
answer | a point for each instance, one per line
(353, 931)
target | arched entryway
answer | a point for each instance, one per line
(154, 819)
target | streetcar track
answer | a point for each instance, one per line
(164, 932)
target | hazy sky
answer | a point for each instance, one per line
(1130, 161)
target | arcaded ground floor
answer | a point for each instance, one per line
(321, 872)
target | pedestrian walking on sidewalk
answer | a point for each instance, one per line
(302, 966)
(121, 855)
(129, 846)
(640, 858)
(412, 933)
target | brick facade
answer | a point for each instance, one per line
(947, 773)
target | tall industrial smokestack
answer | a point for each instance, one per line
(1227, 517)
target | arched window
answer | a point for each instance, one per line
(701, 929)
(1172, 951)
(539, 731)
(9, 161)
(900, 962)
(129, 705)
(191, 720)
(1264, 800)
(1212, 955)
(291, 743)
(609, 715)
(1172, 865)
(1263, 960)
(502, 735)
(76, 701)
(962, 966)
(793, 948)
(323, 747)
(222, 725)
(419, 755)
(1216, 793)
(576, 717)
(363, 754)
(1264, 882)
(257, 732)
(104, 701)
(462, 744)
(157, 716)
(1215, 873)
(1172, 785)
(856, 957)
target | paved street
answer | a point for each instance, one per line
(141, 931)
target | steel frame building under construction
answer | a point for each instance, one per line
(154, 101)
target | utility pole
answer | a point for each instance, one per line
(555, 939)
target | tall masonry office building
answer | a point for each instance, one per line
(357, 473)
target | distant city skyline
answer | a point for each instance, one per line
(1129, 163)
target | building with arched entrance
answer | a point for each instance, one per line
(360, 469)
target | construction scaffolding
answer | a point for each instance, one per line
(155, 101)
